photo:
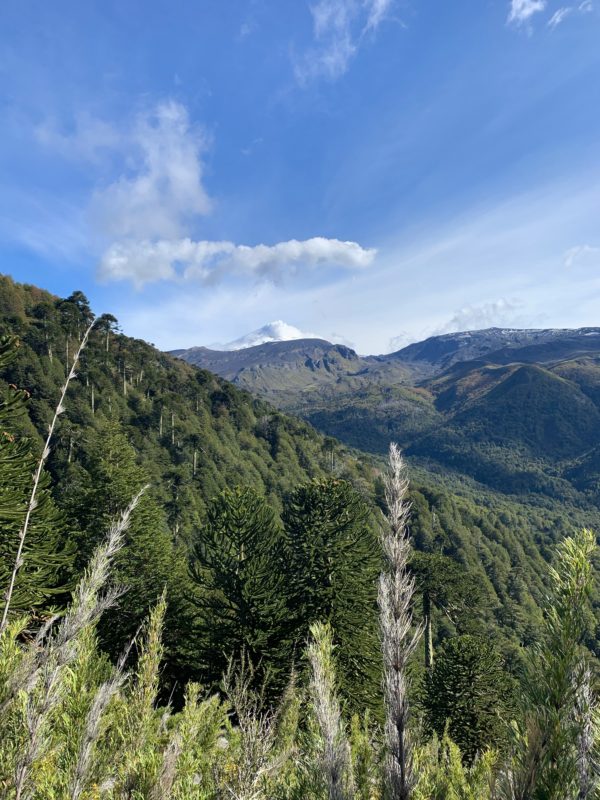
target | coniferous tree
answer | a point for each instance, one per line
(47, 557)
(333, 560)
(554, 752)
(446, 585)
(468, 692)
(148, 561)
(239, 571)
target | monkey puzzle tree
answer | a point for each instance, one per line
(468, 691)
(333, 561)
(239, 569)
(46, 559)
(446, 585)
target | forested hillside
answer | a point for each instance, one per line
(251, 536)
(135, 415)
(516, 410)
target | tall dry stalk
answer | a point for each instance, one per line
(43, 679)
(587, 715)
(335, 757)
(36, 482)
(104, 694)
(398, 638)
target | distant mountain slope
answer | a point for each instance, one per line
(498, 346)
(518, 410)
(283, 372)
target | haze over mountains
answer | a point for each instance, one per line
(518, 410)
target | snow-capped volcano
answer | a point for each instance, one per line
(277, 331)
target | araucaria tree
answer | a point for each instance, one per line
(332, 565)
(239, 570)
(443, 584)
(149, 561)
(468, 692)
(45, 558)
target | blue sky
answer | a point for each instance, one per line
(374, 171)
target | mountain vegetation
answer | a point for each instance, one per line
(516, 411)
(163, 530)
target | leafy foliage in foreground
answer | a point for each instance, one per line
(74, 726)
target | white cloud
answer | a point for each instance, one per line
(338, 27)
(559, 16)
(583, 255)
(276, 331)
(209, 262)
(378, 11)
(586, 7)
(400, 340)
(522, 10)
(147, 216)
(162, 191)
(497, 314)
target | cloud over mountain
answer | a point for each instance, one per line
(499, 313)
(277, 331)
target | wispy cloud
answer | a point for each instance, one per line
(207, 262)
(582, 255)
(521, 11)
(149, 211)
(565, 11)
(155, 161)
(339, 27)
(161, 190)
(378, 11)
(88, 139)
(400, 340)
(559, 16)
(499, 313)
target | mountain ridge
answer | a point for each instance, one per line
(512, 408)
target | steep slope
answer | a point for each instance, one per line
(515, 409)
(296, 373)
(194, 432)
(514, 429)
(498, 346)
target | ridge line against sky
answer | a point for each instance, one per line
(373, 170)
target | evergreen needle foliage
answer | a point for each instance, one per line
(295, 558)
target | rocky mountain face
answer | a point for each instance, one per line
(291, 373)
(517, 410)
